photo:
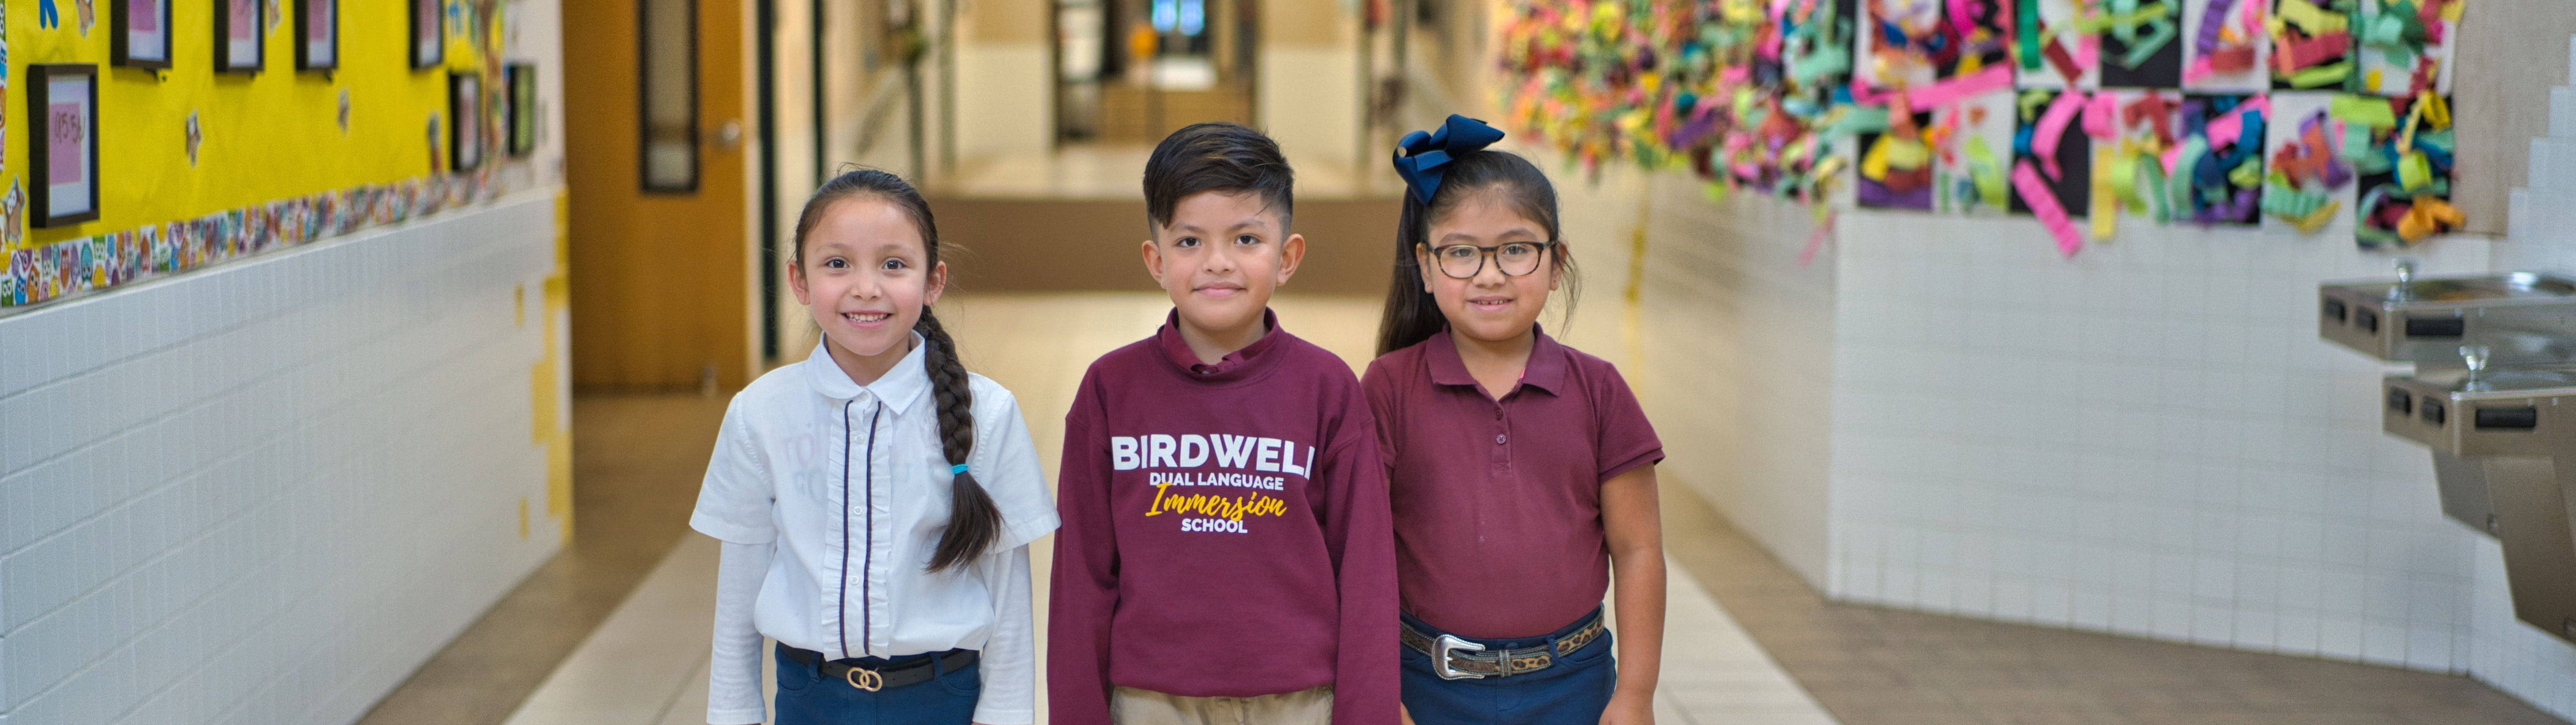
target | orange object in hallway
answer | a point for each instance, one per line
(662, 274)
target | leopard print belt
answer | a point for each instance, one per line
(1503, 663)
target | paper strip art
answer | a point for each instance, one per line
(2308, 181)
(2311, 45)
(2228, 48)
(2405, 167)
(2076, 112)
(2405, 46)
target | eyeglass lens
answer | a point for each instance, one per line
(1513, 259)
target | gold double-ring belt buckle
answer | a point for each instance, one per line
(864, 679)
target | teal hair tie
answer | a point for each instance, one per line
(957, 470)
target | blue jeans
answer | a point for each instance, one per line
(1573, 691)
(806, 697)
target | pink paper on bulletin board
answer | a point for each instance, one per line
(63, 157)
(146, 15)
(245, 23)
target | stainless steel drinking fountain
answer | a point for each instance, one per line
(2494, 395)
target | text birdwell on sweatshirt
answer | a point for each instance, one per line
(1227, 532)
(1213, 501)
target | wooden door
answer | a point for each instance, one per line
(663, 277)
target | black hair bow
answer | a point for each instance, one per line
(1419, 157)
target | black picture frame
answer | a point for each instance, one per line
(317, 23)
(130, 49)
(231, 55)
(464, 121)
(428, 39)
(520, 100)
(45, 198)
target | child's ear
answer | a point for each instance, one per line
(796, 281)
(938, 283)
(1556, 268)
(1154, 261)
(1422, 265)
(1291, 252)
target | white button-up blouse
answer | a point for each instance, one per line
(847, 487)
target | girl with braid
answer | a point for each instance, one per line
(875, 501)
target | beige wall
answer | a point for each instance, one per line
(2511, 52)
(1005, 93)
(1307, 95)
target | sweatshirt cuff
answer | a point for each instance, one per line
(748, 716)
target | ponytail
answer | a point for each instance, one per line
(974, 523)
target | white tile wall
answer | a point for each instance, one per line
(265, 492)
(2148, 439)
(1731, 351)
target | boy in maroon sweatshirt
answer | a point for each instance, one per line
(1227, 552)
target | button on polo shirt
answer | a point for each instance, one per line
(1513, 547)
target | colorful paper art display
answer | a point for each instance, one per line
(53, 271)
(2216, 175)
(2308, 171)
(2311, 45)
(2405, 166)
(2133, 134)
(2138, 42)
(2405, 46)
(2074, 112)
(2227, 46)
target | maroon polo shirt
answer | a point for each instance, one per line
(1498, 503)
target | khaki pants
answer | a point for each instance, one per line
(1131, 706)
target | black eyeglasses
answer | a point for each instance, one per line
(1513, 259)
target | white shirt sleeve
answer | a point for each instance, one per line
(734, 502)
(733, 676)
(1009, 660)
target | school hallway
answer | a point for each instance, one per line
(360, 363)
(1746, 642)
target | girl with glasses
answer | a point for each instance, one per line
(1521, 471)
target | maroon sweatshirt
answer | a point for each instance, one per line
(1226, 532)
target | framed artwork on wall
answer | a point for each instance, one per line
(317, 34)
(464, 121)
(522, 104)
(142, 35)
(428, 33)
(239, 39)
(62, 148)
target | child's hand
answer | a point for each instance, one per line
(1625, 710)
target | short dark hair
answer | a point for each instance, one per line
(1219, 157)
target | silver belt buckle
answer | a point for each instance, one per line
(1440, 657)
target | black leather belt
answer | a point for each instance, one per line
(907, 673)
(1458, 659)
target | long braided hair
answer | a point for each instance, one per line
(974, 523)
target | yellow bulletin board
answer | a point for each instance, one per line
(265, 136)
